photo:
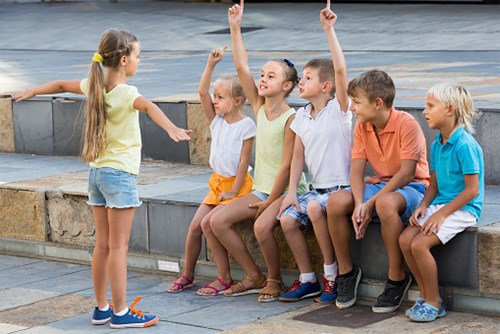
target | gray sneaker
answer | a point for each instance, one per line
(348, 288)
(390, 299)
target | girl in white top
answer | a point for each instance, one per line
(273, 156)
(230, 150)
(112, 146)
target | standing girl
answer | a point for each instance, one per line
(112, 146)
(230, 150)
(454, 198)
(274, 147)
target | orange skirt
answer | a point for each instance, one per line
(219, 184)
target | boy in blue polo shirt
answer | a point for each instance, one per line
(454, 198)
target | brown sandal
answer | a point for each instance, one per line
(240, 290)
(274, 293)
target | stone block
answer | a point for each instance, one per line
(156, 144)
(6, 125)
(69, 126)
(33, 129)
(70, 219)
(199, 146)
(489, 258)
(168, 226)
(23, 214)
(139, 237)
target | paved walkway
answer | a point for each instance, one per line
(417, 44)
(45, 297)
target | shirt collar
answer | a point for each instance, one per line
(391, 123)
(454, 137)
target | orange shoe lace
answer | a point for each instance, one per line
(134, 311)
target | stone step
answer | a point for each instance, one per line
(43, 201)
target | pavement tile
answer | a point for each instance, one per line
(7, 262)
(47, 311)
(8, 328)
(13, 297)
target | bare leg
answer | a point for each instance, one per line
(405, 241)
(297, 243)
(100, 256)
(421, 250)
(263, 229)
(219, 253)
(120, 226)
(389, 208)
(193, 246)
(320, 226)
(221, 225)
(339, 210)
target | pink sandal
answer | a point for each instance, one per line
(179, 287)
(216, 291)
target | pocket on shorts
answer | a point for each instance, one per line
(110, 181)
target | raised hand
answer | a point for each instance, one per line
(235, 14)
(215, 55)
(327, 17)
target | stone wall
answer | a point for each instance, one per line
(6, 125)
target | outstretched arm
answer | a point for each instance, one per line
(207, 105)
(145, 105)
(235, 16)
(328, 18)
(53, 87)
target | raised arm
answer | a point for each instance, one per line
(53, 87)
(328, 18)
(145, 105)
(207, 105)
(235, 16)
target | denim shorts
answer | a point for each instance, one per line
(318, 195)
(260, 195)
(413, 193)
(112, 188)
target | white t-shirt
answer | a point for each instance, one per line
(227, 142)
(327, 143)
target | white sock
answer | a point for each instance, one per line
(105, 308)
(331, 271)
(122, 312)
(307, 277)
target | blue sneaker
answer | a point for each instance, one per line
(329, 294)
(415, 306)
(300, 291)
(134, 318)
(101, 317)
(427, 313)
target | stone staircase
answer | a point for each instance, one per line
(43, 209)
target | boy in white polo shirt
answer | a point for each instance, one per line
(323, 141)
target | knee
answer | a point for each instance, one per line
(314, 211)
(262, 231)
(288, 224)
(418, 247)
(387, 205)
(215, 225)
(405, 243)
(339, 203)
(204, 226)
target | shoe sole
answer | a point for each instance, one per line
(313, 294)
(424, 320)
(349, 303)
(317, 300)
(100, 322)
(389, 309)
(138, 325)
(244, 293)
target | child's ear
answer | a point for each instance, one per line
(379, 103)
(287, 86)
(239, 101)
(451, 110)
(327, 86)
(123, 60)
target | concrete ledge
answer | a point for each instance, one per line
(6, 125)
(489, 258)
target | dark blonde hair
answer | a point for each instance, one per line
(373, 84)
(456, 95)
(113, 45)
(233, 83)
(325, 69)
(290, 73)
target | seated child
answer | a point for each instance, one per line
(454, 198)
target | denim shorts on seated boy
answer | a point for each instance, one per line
(323, 130)
(393, 143)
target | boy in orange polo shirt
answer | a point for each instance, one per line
(394, 145)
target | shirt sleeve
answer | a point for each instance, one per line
(358, 146)
(412, 140)
(250, 129)
(433, 157)
(295, 126)
(84, 86)
(132, 94)
(469, 159)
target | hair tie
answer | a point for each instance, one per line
(289, 63)
(97, 58)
